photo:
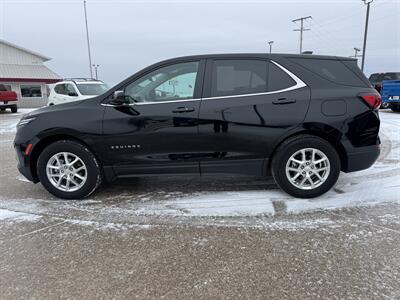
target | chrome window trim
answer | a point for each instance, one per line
(298, 85)
(114, 105)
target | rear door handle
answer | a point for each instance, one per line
(281, 101)
(180, 110)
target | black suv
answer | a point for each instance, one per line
(303, 118)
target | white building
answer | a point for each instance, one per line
(24, 72)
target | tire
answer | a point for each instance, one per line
(395, 108)
(52, 160)
(14, 109)
(385, 105)
(2, 109)
(329, 168)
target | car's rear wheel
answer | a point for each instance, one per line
(68, 170)
(14, 109)
(306, 166)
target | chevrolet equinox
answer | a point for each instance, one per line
(301, 118)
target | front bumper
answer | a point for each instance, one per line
(391, 99)
(23, 164)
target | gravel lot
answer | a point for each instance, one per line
(212, 237)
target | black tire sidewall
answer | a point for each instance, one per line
(92, 167)
(288, 149)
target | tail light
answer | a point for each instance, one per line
(373, 100)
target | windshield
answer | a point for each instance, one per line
(92, 88)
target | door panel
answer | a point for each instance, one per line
(145, 138)
(158, 132)
(237, 132)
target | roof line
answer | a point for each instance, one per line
(46, 58)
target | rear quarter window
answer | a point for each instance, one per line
(333, 70)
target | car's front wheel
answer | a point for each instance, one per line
(306, 166)
(68, 170)
(395, 107)
(385, 105)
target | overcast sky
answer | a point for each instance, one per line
(129, 35)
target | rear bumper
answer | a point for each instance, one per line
(362, 159)
(7, 104)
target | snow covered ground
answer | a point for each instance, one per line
(198, 237)
(225, 202)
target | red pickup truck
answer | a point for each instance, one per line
(8, 99)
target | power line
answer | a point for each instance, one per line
(301, 29)
(330, 43)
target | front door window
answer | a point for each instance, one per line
(174, 82)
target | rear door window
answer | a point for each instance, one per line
(238, 77)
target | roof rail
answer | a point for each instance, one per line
(80, 79)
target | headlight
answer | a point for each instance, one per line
(25, 121)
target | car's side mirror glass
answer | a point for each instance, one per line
(119, 98)
(72, 94)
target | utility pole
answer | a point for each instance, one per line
(88, 42)
(96, 66)
(270, 46)
(367, 2)
(301, 29)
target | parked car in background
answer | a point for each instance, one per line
(376, 81)
(75, 89)
(8, 99)
(390, 93)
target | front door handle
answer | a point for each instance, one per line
(180, 110)
(281, 101)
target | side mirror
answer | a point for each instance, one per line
(119, 98)
(72, 94)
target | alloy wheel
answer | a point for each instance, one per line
(66, 171)
(307, 168)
